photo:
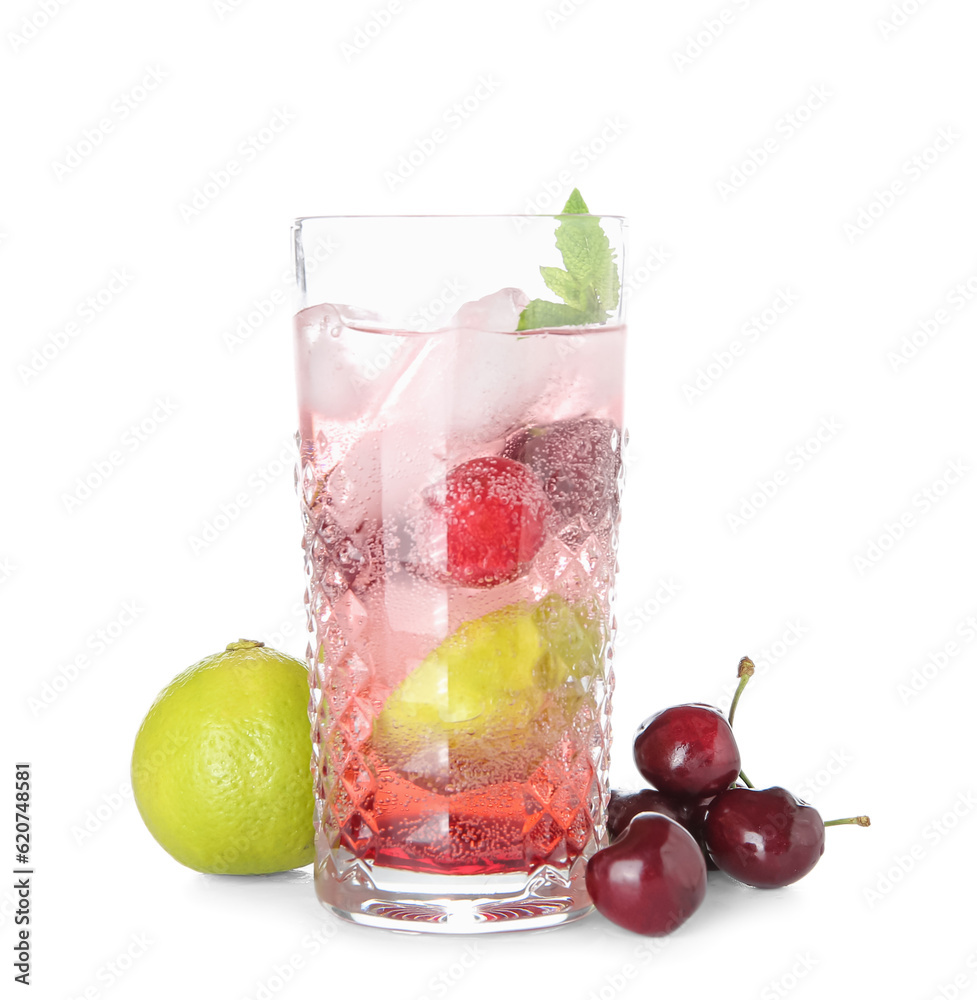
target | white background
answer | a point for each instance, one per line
(832, 714)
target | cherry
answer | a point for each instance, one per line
(687, 751)
(766, 838)
(495, 514)
(624, 806)
(652, 879)
(653, 875)
(696, 825)
(577, 461)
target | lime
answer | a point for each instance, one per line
(492, 697)
(220, 769)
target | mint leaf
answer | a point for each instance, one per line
(575, 204)
(540, 314)
(588, 258)
(589, 286)
(559, 281)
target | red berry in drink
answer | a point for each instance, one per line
(766, 838)
(652, 879)
(687, 751)
(577, 462)
(495, 514)
(624, 806)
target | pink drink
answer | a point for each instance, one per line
(382, 440)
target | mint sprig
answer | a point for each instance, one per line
(589, 286)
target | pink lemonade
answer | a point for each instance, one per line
(460, 496)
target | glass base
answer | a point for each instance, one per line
(402, 900)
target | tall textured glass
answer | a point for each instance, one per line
(460, 482)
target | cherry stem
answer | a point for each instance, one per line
(749, 784)
(744, 672)
(857, 820)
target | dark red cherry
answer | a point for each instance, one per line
(696, 825)
(577, 461)
(767, 838)
(652, 879)
(624, 806)
(687, 751)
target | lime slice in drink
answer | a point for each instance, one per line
(490, 701)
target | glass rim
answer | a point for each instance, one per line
(447, 215)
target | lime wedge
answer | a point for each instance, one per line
(488, 703)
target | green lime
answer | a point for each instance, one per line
(220, 769)
(492, 697)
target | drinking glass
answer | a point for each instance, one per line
(459, 482)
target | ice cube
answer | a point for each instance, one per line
(357, 317)
(498, 312)
(496, 380)
(347, 368)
